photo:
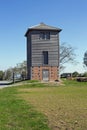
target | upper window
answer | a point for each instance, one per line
(42, 35)
(45, 35)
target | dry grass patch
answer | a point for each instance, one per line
(65, 107)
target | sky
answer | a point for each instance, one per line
(16, 16)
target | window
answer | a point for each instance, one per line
(45, 35)
(45, 57)
(42, 35)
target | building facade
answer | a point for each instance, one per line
(43, 52)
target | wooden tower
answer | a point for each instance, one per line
(43, 52)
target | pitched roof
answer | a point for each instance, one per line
(42, 26)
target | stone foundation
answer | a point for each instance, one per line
(36, 73)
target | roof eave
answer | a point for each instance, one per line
(26, 32)
(32, 29)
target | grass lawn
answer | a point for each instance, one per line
(37, 106)
(16, 114)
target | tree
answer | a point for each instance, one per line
(21, 68)
(8, 74)
(75, 74)
(67, 54)
(1, 75)
(19, 71)
(85, 59)
(85, 74)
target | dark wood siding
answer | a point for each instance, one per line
(29, 61)
(40, 45)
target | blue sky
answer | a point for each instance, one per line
(17, 15)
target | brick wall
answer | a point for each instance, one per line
(37, 73)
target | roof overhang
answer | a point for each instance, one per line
(42, 27)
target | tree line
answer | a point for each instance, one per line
(17, 72)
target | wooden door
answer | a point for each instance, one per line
(45, 74)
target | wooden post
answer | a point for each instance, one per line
(13, 78)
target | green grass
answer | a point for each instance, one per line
(16, 114)
(39, 106)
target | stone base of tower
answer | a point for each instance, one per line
(45, 73)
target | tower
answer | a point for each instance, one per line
(43, 52)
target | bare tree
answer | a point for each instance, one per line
(67, 54)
